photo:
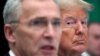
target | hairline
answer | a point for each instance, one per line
(12, 11)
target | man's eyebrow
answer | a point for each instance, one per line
(70, 18)
(57, 18)
(85, 18)
(45, 19)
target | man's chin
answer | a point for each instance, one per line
(79, 48)
(48, 55)
(44, 53)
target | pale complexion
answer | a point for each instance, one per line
(38, 30)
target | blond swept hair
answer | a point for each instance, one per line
(64, 4)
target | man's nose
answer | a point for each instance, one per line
(79, 29)
(50, 32)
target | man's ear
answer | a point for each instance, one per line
(9, 33)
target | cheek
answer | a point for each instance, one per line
(94, 42)
(69, 33)
(86, 34)
(67, 36)
(28, 40)
(65, 42)
(25, 38)
(85, 37)
(28, 37)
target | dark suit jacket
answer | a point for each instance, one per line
(7, 54)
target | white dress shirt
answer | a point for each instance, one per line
(11, 53)
(85, 54)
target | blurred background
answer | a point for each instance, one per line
(95, 13)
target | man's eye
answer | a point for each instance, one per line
(84, 22)
(97, 37)
(39, 23)
(70, 22)
(57, 22)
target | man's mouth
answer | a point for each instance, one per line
(79, 42)
(48, 49)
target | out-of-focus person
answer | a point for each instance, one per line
(93, 40)
(32, 27)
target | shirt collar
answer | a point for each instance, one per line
(11, 53)
(85, 54)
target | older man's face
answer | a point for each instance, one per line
(94, 39)
(74, 29)
(38, 32)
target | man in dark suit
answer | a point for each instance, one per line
(7, 54)
(32, 27)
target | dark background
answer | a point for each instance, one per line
(3, 43)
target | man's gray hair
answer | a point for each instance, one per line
(12, 11)
(64, 4)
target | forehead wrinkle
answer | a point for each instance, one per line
(35, 6)
(38, 4)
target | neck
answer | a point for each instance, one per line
(14, 50)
